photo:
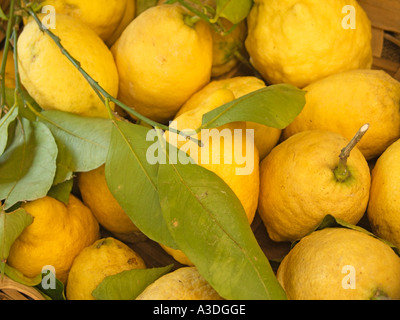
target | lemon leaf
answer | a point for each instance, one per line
(82, 142)
(132, 180)
(143, 5)
(5, 122)
(209, 224)
(28, 165)
(274, 106)
(12, 224)
(127, 285)
(232, 10)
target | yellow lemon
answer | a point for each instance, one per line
(182, 284)
(129, 15)
(301, 41)
(53, 81)
(105, 257)
(299, 187)
(383, 207)
(9, 71)
(340, 264)
(265, 138)
(227, 151)
(163, 57)
(97, 196)
(57, 235)
(102, 16)
(345, 101)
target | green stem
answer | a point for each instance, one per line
(342, 172)
(103, 94)
(10, 25)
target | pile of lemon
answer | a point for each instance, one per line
(168, 65)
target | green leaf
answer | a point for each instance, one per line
(209, 225)
(82, 142)
(274, 106)
(54, 293)
(133, 180)
(19, 277)
(11, 226)
(5, 122)
(233, 10)
(127, 285)
(28, 166)
(61, 191)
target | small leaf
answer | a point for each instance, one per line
(28, 166)
(5, 121)
(132, 180)
(82, 142)
(61, 191)
(127, 285)
(233, 10)
(274, 106)
(11, 226)
(209, 225)
(19, 277)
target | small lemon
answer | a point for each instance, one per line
(345, 101)
(97, 196)
(340, 264)
(182, 284)
(383, 207)
(57, 235)
(52, 80)
(299, 187)
(301, 41)
(162, 59)
(265, 138)
(102, 16)
(105, 257)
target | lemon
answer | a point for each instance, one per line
(9, 71)
(185, 283)
(105, 257)
(162, 60)
(301, 41)
(53, 81)
(127, 18)
(57, 235)
(219, 154)
(265, 138)
(97, 196)
(383, 208)
(298, 186)
(340, 264)
(345, 101)
(102, 16)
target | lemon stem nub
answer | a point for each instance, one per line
(342, 172)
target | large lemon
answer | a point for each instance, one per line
(52, 80)
(163, 57)
(345, 101)
(340, 264)
(301, 41)
(299, 187)
(57, 235)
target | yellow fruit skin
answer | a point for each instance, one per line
(10, 71)
(57, 235)
(124, 22)
(182, 284)
(301, 41)
(162, 61)
(102, 16)
(298, 187)
(265, 137)
(96, 195)
(52, 80)
(313, 269)
(105, 257)
(383, 207)
(345, 101)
